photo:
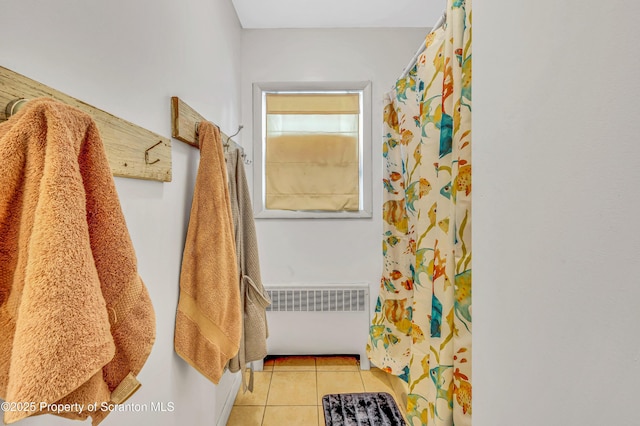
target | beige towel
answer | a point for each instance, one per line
(76, 322)
(208, 321)
(254, 298)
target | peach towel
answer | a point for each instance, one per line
(209, 317)
(76, 322)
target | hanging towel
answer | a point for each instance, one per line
(76, 321)
(208, 321)
(254, 298)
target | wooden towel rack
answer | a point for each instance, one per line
(184, 126)
(132, 151)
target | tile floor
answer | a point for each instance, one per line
(290, 389)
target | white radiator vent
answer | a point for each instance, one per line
(318, 299)
(319, 319)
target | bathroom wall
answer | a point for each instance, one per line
(555, 204)
(129, 58)
(555, 213)
(320, 251)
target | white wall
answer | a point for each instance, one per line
(129, 58)
(556, 229)
(319, 251)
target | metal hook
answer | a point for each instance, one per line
(245, 160)
(240, 127)
(14, 106)
(146, 154)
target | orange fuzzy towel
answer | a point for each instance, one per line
(76, 322)
(209, 317)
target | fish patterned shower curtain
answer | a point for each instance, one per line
(421, 330)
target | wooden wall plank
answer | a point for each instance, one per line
(125, 143)
(184, 120)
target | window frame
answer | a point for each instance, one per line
(259, 140)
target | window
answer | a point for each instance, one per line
(312, 150)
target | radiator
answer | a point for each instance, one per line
(328, 319)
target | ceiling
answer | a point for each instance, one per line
(338, 13)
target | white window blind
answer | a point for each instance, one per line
(312, 151)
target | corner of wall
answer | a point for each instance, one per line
(229, 400)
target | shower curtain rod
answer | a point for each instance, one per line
(423, 46)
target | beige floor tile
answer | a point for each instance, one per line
(268, 365)
(376, 380)
(290, 415)
(338, 382)
(295, 363)
(246, 416)
(337, 363)
(321, 421)
(401, 390)
(261, 382)
(293, 388)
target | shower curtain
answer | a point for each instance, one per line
(421, 330)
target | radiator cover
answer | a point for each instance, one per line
(326, 319)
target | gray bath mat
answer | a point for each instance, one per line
(361, 409)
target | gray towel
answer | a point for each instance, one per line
(254, 299)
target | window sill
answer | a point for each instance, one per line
(299, 214)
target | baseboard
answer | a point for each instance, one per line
(365, 364)
(229, 400)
